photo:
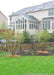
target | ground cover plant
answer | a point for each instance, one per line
(50, 48)
(26, 65)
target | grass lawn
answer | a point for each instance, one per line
(26, 65)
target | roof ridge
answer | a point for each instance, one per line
(46, 5)
(37, 5)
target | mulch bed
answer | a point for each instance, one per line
(43, 52)
(35, 53)
(13, 56)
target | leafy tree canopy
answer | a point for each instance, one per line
(43, 36)
(4, 26)
(52, 37)
(19, 37)
(1, 37)
(8, 34)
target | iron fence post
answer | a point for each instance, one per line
(32, 43)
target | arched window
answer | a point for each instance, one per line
(21, 23)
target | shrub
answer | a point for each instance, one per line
(51, 48)
(32, 53)
(12, 47)
(27, 37)
(45, 36)
(26, 53)
(48, 46)
(42, 38)
(20, 38)
(52, 37)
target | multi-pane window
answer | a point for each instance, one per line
(12, 27)
(21, 26)
(25, 21)
(10, 18)
(30, 25)
(25, 26)
(33, 25)
(17, 26)
(21, 23)
(51, 12)
(46, 25)
(36, 26)
(52, 24)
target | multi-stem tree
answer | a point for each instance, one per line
(42, 38)
(9, 36)
(20, 38)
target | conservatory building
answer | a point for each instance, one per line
(25, 22)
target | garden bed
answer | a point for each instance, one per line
(35, 53)
(13, 56)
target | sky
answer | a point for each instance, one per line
(9, 6)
